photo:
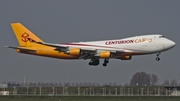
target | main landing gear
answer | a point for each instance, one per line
(95, 62)
(106, 61)
(157, 58)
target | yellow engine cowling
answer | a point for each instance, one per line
(74, 51)
(125, 57)
(105, 55)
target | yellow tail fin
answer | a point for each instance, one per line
(23, 34)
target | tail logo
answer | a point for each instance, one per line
(25, 37)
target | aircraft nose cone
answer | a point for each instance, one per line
(171, 44)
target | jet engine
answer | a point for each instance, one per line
(74, 51)
(125, 57)
(105, 55)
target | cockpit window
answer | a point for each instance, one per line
(161, 36)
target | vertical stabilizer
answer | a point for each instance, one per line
(23, 34)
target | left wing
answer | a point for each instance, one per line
(84, 53)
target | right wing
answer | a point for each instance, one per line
(56, 46)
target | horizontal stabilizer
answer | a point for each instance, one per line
(21, 48)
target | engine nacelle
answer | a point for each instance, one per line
(125, 57)
(105, 55)
(74, 51)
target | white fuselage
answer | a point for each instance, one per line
(138, 45)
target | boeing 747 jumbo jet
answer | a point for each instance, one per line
(122, 49)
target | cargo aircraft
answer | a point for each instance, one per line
(122, 49)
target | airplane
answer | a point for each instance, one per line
(122, 49)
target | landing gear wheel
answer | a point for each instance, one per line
(94, 62)
(157, 59)
(106, 61)
(90, 63)
(104, 64)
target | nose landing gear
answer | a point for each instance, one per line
(157, 58)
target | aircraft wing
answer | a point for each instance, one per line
(86, 53)
(52, 45)
(57, 46)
